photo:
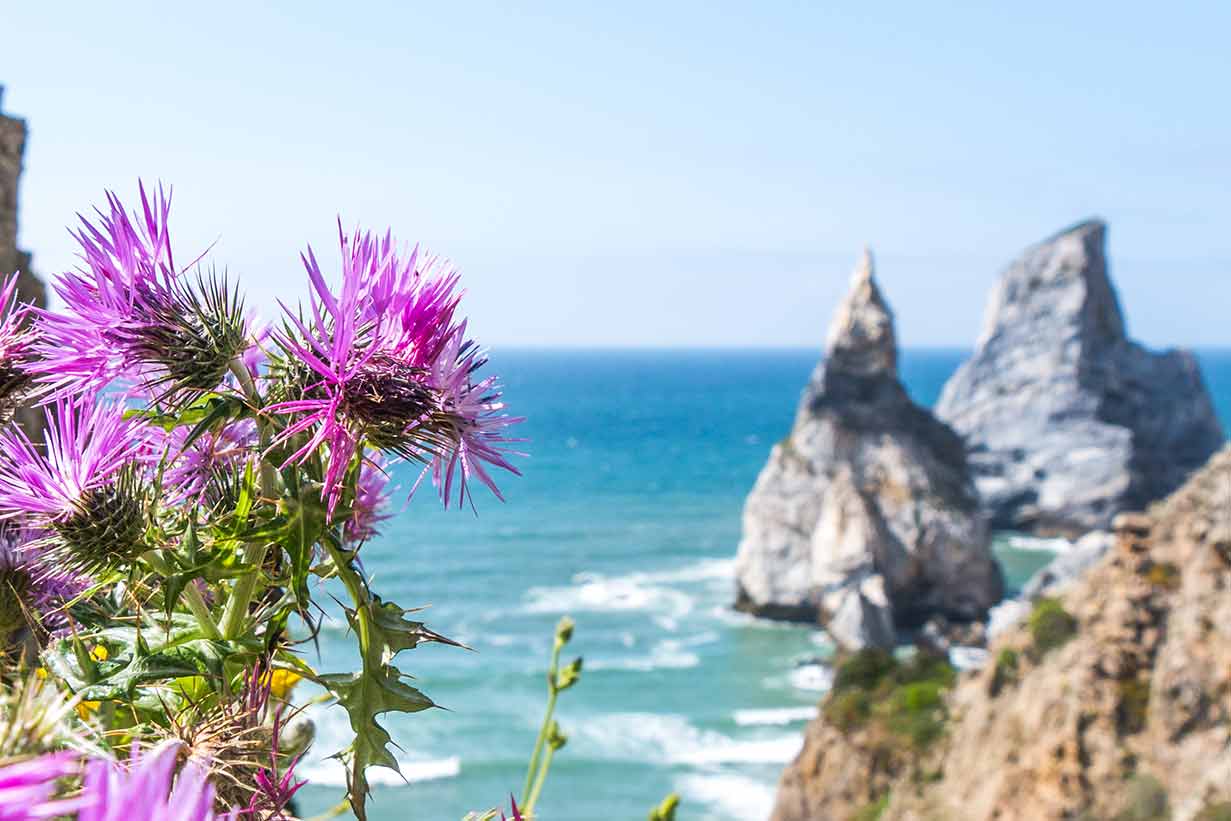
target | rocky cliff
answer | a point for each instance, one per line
(1111, 702)
(864, 517)
(12, 147)
(29, 287)
(1068, 421)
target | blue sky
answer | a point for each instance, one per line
(653, 174)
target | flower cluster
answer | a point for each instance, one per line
(162, 537)
(84, 492)
(385, 362)
(33, 590)
(130, 315)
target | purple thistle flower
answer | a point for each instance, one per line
(371, 496)
(273, 792)
(130, 317)
(16, 351)
(191, 470)
(383, 362)
(473, 412)
(32, 588)
(147, 789)
(27, 788)
(83, 493)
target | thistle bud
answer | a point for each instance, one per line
(666, 810)
(105, 528)
(555, 738)
(564, 631)
(569, 676)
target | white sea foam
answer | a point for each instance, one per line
(776, 716)
(333, 733)
(728, 795)
(968, 658)
(330, 772)
(734, 618)
(667, 596)
(671, 739)
(654, 592)
(1006, 615)
(668, 654)
(812, 677)
(595, 594)
(702, 571)
(1018, 541)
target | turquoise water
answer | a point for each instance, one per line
(627, 519)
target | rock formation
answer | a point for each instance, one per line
(12, 146)
(1067, 420)
(864, 517)
(29, 287)
(1122, 713)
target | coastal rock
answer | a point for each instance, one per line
(864, 517)
(1067, 420)
(1121, 715)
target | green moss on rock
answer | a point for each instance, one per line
(873, 811)
(902, 698)
(1050, 625)
(1133, 706)
(1164, 575)
(1215, 812)
(1005, 671)
(1145, 799)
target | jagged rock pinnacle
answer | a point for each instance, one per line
(861, 339)
(864, 518)
(1069, 421)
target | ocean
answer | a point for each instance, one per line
(627, 519)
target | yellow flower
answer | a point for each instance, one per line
(99, 653)
(86, 707)
(280, 682)
(41, 673)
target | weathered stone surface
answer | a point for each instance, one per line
(12, 146)
(1068, 421)
(1133, 707)
(864, 516)
(29, 287)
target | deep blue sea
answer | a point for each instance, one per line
(627, 518)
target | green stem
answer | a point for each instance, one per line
(196, 603)
(528, 809)
(245, 382)
(552, 693)
(363, 620)
(236, 612)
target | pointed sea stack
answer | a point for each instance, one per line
(1067, 420)
(865, 518)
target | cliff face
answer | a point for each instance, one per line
(29, 287)
(1068, 421)
(12, 147)
(1112, 702)
(864, 516)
